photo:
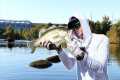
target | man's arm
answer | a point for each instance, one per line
(67, 59)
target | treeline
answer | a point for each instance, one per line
(27, 33)
(105, 26)
(101, 27)
(17, 34)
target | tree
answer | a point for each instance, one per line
(98, 27)
(1, 33)
(114, 33)
(105, 25)
(50, 24)
(9, 33)
(92, 25)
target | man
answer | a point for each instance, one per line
(90, 51)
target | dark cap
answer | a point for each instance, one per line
(73, 23)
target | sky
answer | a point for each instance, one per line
(58, 11)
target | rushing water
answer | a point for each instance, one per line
(14, 65)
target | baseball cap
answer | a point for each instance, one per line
(73, 23)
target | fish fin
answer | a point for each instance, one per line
(33, 50)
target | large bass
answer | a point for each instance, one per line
(57, 35)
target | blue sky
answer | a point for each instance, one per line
(58, 11)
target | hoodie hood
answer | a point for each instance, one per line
(87, 34)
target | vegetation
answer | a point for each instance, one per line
(27, 34)
(114, 33)
(100, 27)
(106, 27)
(9, 33)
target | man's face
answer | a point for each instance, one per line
(78, 32)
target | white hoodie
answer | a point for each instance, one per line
(94, 64)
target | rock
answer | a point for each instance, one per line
(53, 59)
(41, 64)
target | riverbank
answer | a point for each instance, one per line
(16, 43)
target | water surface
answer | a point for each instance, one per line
(14, 65)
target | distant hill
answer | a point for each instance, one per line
(16, 24)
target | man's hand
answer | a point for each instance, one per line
(51, 46)
(80, 56)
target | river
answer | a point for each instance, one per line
(14, 65)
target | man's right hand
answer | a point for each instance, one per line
(51, 46)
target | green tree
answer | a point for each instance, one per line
(105, 24)
(50, 24)
(98, 27)
(92, 25)
(1, 33)
(9, 32)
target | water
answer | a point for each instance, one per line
(14, 65)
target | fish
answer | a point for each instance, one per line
(60, 36)
(57, 35)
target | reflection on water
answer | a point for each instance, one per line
(14, 65)
(41, 64)
(114, 65)
(115, 52)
